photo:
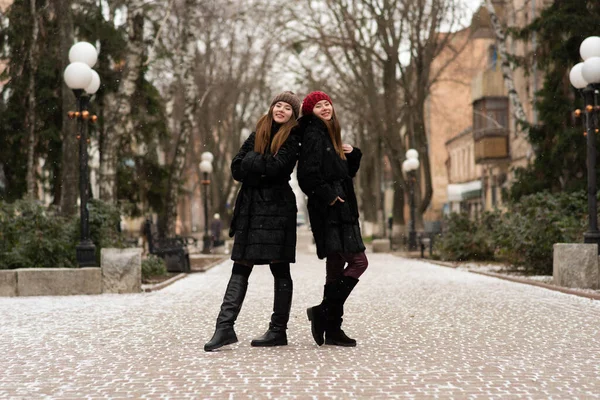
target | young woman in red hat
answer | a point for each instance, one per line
(264, 220)
(326, 167)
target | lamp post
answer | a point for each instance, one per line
(206, 168)
(84, 81)
(585, 77)
(410, 167)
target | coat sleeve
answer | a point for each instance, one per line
(282, 163)
(309, 170)
(353, 161)
(241, 165)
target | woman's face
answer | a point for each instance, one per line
(282, 112)
(324, 110)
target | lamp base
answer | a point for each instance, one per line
(412, 241)
(86, 253)
(206, 239)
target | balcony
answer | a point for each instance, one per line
(488, 83)
(491, 145)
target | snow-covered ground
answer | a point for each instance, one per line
(423, 331)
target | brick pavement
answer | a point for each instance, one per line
(423, 331)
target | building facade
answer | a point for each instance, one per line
(475, 141)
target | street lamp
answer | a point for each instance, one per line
(585, 77)
(84, 81)
(206, 168)
(410, 167)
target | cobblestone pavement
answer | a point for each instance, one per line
(423, 331)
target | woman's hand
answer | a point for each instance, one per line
(347, 148)
(337, 199)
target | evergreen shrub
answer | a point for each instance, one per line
(522, 236)
(464, 239)
(34, 236)
(153, 266)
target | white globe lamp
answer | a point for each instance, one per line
(576, 77)
(590, 47)
(591, 70)
(83, 52)
(78, 75)
(94, 84)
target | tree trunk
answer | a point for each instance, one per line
(119, 104)
(185, 72)
(69, 164)
(31, 111)
(507, 74)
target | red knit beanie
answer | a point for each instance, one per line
(311, 99)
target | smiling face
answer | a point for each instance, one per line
(282, 112)
(324, 110)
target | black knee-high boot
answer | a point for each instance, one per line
(334, 310)
(282, 303)
(230, 309)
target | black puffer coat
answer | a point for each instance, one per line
(264, 218)
(323, 176)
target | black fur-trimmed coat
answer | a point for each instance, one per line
(323, 176)
(264, 218)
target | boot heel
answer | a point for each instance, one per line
(309, 312)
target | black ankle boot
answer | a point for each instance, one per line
(230, 309)
(334, 310)
(317, 323)
(282, 303)
(339, 338)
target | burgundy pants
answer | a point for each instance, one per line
(357, 264)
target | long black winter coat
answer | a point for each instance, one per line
(323, 176)
(264, 218)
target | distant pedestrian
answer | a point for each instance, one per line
(325, 171)
(215, 229)
(264, 220)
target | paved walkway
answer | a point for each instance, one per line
(423, 331)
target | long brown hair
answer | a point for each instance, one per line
(335, 133)
(263, 133)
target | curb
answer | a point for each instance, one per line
(555, 288)
(211, 265)
(162, 285)
(168, 282)
(575, 292)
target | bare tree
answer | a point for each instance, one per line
(185, 69)
(31, 109)
(380, 53)
(118, 105)
(507, 73)
(68, 189)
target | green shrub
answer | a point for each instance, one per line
(522, 236)
(153, 266)
(464, 239)
(33, 236)
(532, 226)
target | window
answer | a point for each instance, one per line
(490, 113)
(492, 57)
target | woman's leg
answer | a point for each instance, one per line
(357, 264)
(282, 303)
(337, 296)
(334, 266)
(230, 308)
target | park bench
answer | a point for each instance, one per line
(426, 239)
(173, 250)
